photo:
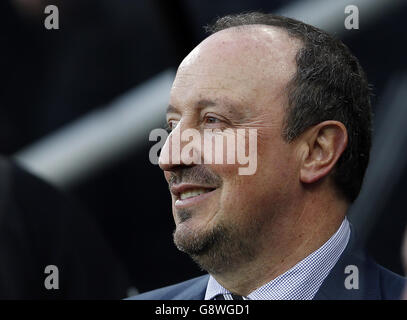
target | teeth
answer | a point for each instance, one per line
(192, 193)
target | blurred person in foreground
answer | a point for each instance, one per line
(404, 259)
(282, 232)
(41, 226)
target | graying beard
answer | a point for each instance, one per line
(218, 251)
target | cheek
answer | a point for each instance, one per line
(276, 158)
(167, 175)
(268, 187)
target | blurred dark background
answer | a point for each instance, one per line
(104, 48)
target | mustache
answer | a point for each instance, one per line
(195, 174)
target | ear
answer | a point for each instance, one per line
(325, 142)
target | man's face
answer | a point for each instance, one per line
(232, 80)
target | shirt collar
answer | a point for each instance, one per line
(303, 280)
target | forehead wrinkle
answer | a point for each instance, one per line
(230, 107)
(185, 79)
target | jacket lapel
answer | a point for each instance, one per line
(333, 287)
(195, 291)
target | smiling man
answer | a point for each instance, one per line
(280, 232)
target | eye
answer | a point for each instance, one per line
(212, 120)
(171, 125)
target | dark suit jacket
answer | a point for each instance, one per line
(375, 282)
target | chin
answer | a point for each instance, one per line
(189, 237)
(193, 237)
(217, 247)
(209, 248)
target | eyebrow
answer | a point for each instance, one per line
(204, 103)
(172, 109)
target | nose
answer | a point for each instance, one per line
(182, 148)
(165, 159)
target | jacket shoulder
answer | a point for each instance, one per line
(392, 284)
(195, 288)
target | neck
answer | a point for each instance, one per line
(290, 238)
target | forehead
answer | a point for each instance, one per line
(246, 67)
